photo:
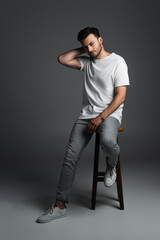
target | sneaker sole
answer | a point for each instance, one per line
(108, 185)
(45, 221)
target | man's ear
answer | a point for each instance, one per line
(101, 40)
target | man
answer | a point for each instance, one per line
(104, 91)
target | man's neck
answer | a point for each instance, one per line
(103, 54)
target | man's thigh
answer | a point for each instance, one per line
(79, 136)
(108, 130)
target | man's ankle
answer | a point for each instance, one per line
(61, 205)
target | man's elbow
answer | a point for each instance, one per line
(123, 99)
(59, 59)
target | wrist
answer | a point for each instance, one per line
(81, 49)
(102, 116)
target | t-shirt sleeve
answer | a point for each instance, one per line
(121, 77)
(83, 60)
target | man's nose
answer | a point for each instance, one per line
(89, 49)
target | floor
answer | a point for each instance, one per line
(22, 201)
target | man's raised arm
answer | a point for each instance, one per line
(69, 58)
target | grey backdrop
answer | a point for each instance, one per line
(41, 99)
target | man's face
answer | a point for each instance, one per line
(92, 45)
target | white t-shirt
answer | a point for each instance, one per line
(100, 78)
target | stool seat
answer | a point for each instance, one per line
(121, 129)
(98, 176)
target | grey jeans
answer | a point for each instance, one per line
(78, 140)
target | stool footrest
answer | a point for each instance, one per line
(101, 173)
(100, 179)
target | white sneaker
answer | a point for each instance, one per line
(110, 177)
(54, 212)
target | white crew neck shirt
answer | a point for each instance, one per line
(100, 78)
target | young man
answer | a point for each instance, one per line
(104, 91)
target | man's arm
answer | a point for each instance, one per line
(120, 94)
(69, 58)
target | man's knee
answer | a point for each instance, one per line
(109, 145)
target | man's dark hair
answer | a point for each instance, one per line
(86, 31)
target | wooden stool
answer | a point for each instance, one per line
(99, 176)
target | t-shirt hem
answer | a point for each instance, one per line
(91, 117)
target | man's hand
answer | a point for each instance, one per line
(94, 123)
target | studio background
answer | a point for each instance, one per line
(41, 99)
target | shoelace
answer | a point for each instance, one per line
(111, 171)
(50, 209)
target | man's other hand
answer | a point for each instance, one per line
(94, 123)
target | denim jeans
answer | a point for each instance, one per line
(79, 138)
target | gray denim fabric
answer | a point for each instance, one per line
(78, 140)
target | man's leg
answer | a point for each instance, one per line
(78, 140)
(108, 131)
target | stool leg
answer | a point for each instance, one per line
(95, 171)
(119, 183)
